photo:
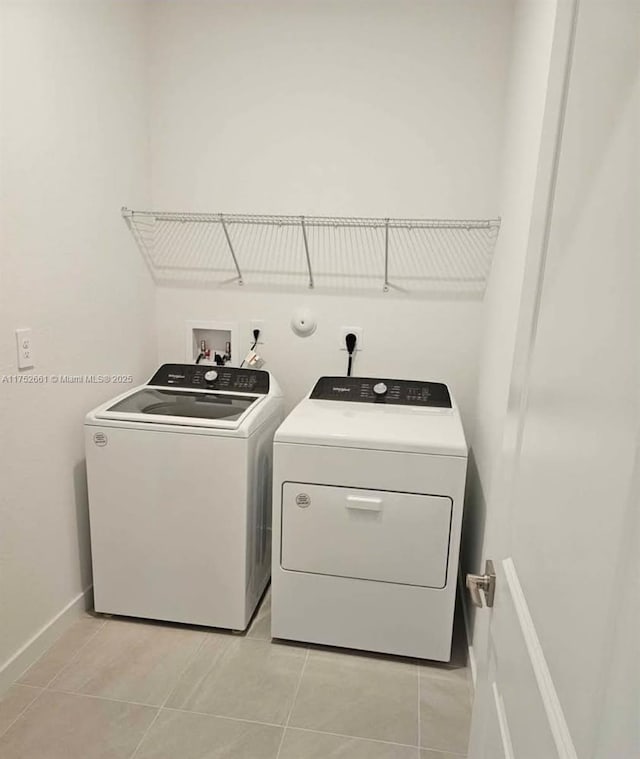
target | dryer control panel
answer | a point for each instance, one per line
(207, 377)
(389, 391)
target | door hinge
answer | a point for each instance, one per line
(485, 582)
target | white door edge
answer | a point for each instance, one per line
(462, 594)
(551, 702)
(503, 724)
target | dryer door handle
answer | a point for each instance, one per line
(364, 504)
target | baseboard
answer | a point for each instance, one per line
(473, 665)
(33, 649)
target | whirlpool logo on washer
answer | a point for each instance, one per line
(100, 439)
(303, 500)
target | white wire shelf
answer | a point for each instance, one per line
(410, 256)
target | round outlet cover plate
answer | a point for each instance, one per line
(303, 322)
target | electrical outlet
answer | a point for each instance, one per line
(256, 324)
(357, 331)
(25, 348)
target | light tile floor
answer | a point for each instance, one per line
(129, 689)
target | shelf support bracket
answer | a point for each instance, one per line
(386, 256)
(127, 215)
(233, 253)
(306, 251)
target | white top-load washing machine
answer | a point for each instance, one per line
(179, 473)
(369, 478)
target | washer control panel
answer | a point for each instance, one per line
(207, 377)
(375, 390)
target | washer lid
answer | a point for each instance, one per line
(412, 429)
(161, 405)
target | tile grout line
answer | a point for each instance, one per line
(225, 717)
(233, 642)
(78, 693)
(301, 729)
(221, 716)
(44, 653)
(42, 688)
(26, 708)
(232, 719)
(293, 703)
(361, 738)
(429, 675)
(235, 719)
(76, 655)
(147, 731)
(445, 674)
(190, 659)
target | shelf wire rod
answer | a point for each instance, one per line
(162, 252)
(190, 244)
(138, 237)
(306, 251)
(342, 244)
(450, 255)
(168, 241)
(353, 249)
(233, 253)
(471, 254)
(207, 248)
(271, 245)
(386, 256)
(312, 221)
(372, 239)
(296, 268)
(412, 253)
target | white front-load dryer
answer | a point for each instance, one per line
(369, 479)
(180, 480)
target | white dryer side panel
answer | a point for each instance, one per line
(168, 514)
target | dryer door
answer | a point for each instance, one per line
(366, 534)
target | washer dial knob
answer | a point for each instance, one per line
(380, 388)
(211, 375)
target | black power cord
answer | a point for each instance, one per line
(256, 335)
(350, 341)
(203, 348)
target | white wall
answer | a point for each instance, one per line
(314, 106)
(325, 106)
(73, 148)
(339, 108)
(526, 95)
(619, 731)
(400, 338)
